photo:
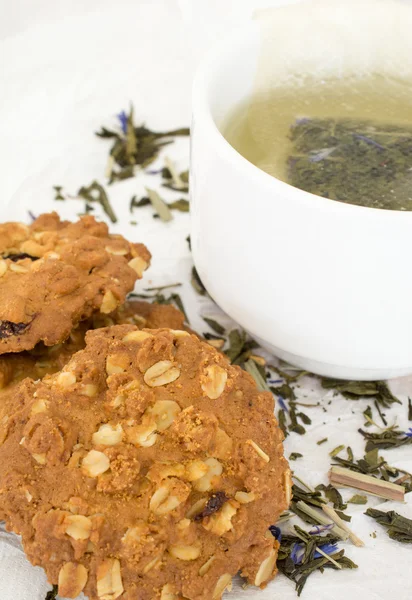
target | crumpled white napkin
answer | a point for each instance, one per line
(70, 67)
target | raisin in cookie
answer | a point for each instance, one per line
(149, 467)
(54, 274)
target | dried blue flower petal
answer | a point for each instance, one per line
(368, 140)
(122, 116)
(275, 381)
(297, 553)
(319, 528)
(276, 532)
(327, 549)
(409, 433)
(282, 404)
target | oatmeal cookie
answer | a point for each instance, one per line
(149, 467)
(45, 360)
(55, 273)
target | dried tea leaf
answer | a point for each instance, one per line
(390, 438)
(398, 528)
(159, 205)
(320, 442)
(96, 193)
(409, 409)
(295, 455)
(358, 499)
(52, 594)
(58, 195)
(197, 282)
(181, 205)
(333, 495)
(215, 326)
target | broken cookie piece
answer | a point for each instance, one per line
(54, 274)
(149, 467)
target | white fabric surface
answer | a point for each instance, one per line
(68, 67)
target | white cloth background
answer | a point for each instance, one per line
(67, 66)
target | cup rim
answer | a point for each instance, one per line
(201, 83)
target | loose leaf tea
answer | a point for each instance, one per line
(52, 594)
(134, 145)
(353, 161)
(299, 555)
(398, 528)
(354, 390)
(95, 192)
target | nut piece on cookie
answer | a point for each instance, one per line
(165, 478)
(55, 273)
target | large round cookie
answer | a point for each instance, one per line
(54, 274)
(148, 468)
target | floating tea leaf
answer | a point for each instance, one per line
(353, 161)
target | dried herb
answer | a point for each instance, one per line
(352, 161)
(299, 556)
(135, 203)
(173, 180)
(197, 282)
(320, 442)
(333, 495)
(358, 499)
(215, 326)
(215, 503)
(367, 483)
(339, 520)
(96, 193)
(21, 256)
(295, 456)
(240, 347)
(8, 328)
(58, 194)
(390, 438)
(336, 450)
(181, 205)
(52, 594)
(355, 390)
(398, 528)
(159, 205)
(409, 409)
(135, 145)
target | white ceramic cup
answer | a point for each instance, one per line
(324, 285)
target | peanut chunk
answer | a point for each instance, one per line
(214, 381)
(78, 527)
(107, 435)
(95, 463)
(137, 336)
(109, 303)
(164, 413)
(109, 579)
(72, 579)
(139, 265)
(66, 379)
(161, 373)
(210, 479)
